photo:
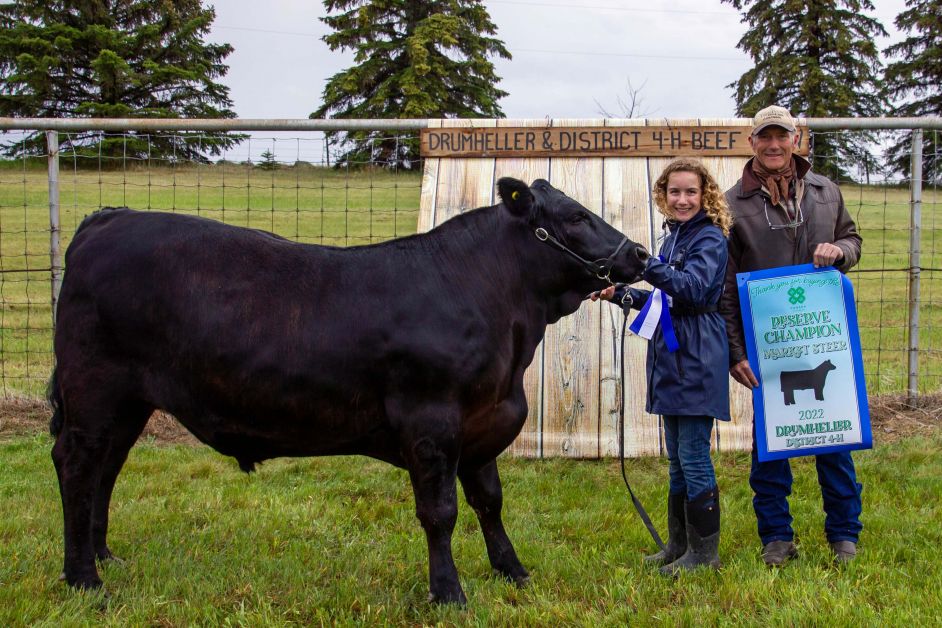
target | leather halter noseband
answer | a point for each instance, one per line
(601, 267)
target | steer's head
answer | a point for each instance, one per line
(570, 231)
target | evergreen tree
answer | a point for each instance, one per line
(914, 82)
(114, 59)
(413, 59)
(268, 161)
(817, 58)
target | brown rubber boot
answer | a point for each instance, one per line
(676, 532)
(703, 535)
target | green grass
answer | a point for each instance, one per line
(321, 205)
(335, 540)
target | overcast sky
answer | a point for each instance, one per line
(566, 55)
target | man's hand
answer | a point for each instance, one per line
(825, 254)
(742, 373)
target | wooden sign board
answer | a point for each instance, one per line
(600, 141)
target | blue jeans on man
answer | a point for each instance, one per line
(771, 484)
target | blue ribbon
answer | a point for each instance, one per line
(667, 328)
(664, 320)
(642, 316)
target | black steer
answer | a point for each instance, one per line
(815, 378)
(411, 351)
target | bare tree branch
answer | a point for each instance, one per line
(631, 103)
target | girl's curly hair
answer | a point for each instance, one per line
(712, 198)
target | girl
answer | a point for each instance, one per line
(688, 387)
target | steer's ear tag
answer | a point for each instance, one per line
(516, 196)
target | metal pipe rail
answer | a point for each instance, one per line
(873, 124)
(335, 124)
(208, 124)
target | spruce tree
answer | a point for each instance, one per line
(914, 82)
(817, 58)
(413, 59)
(114, 59)
(267, 161)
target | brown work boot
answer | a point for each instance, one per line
(844, 551)
(776, 553)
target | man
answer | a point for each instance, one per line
(784, 214)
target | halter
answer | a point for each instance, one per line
(601, 267)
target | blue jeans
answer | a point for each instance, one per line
(688, 449)
(771, 484)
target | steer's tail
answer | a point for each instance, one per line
(54, 396)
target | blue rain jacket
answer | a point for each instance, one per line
(695, 379)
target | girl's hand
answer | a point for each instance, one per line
(605, 294)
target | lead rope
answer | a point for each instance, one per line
(621, 448)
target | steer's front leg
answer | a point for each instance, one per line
(432, 470)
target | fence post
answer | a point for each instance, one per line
(55, 248)
(915, 233)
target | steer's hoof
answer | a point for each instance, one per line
(519, 577)
(97, 595)
(449, 598)
(90, 586)
(82, 583)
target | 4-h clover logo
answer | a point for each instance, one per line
(796, 295)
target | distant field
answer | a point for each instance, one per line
(320, 205)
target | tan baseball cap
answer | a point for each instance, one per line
(773, 116)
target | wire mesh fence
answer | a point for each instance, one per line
(883, 211)
(293, 186)
(288, 186)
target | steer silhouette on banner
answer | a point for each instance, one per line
(803, 380)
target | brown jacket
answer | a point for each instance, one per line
(753, 245)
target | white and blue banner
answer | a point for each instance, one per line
(803, 345)
(656, 312)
